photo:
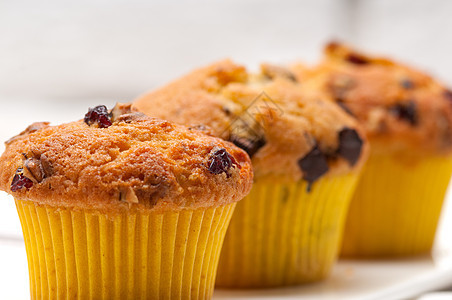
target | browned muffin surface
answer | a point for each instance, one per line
(289, 132)
(399, 107)
(136, 162)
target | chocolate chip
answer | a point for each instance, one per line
(220, 162)
(356, 59)
(313, 165)
(99, 115)
(407, 84)
(406, 111)
(20, 181)
(350, 145)
(250, 145)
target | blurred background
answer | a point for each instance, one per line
(57, 58)
(65, 51)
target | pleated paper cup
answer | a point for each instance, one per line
(78, 254)
(281, 234)
(396, 206)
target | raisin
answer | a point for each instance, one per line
(406, 111)
(220, 162)
(20, 181)
(350, 145)
(356, 59)
(313, 165)
(407, 84)
(251, 146)
(99, 115)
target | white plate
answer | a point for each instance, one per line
(389, 279)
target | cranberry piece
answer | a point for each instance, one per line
(20, 181)
(220, 162)
(313, 165)
(99, 115)
(250, 145)
(350, 144)
(406, 111)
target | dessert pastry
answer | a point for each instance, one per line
(407, 116)
(306, 155)
(122, 206)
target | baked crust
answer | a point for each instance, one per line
(400, 108)
(268, 114)
(136, 163)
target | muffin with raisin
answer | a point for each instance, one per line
(407, 116)
(122, 205)
(306, 155)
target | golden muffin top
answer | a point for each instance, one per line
(399, 107)
(290, 132)
(123, 159)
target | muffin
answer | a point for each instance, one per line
(407, 116)
(122, 206)
(306, 155)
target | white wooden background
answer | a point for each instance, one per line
(59, 57)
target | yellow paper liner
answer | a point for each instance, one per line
(396, 207)
(86, 255)
(280, 234)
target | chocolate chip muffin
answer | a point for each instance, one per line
(123, 205)
(407, 116)
(306, 154)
